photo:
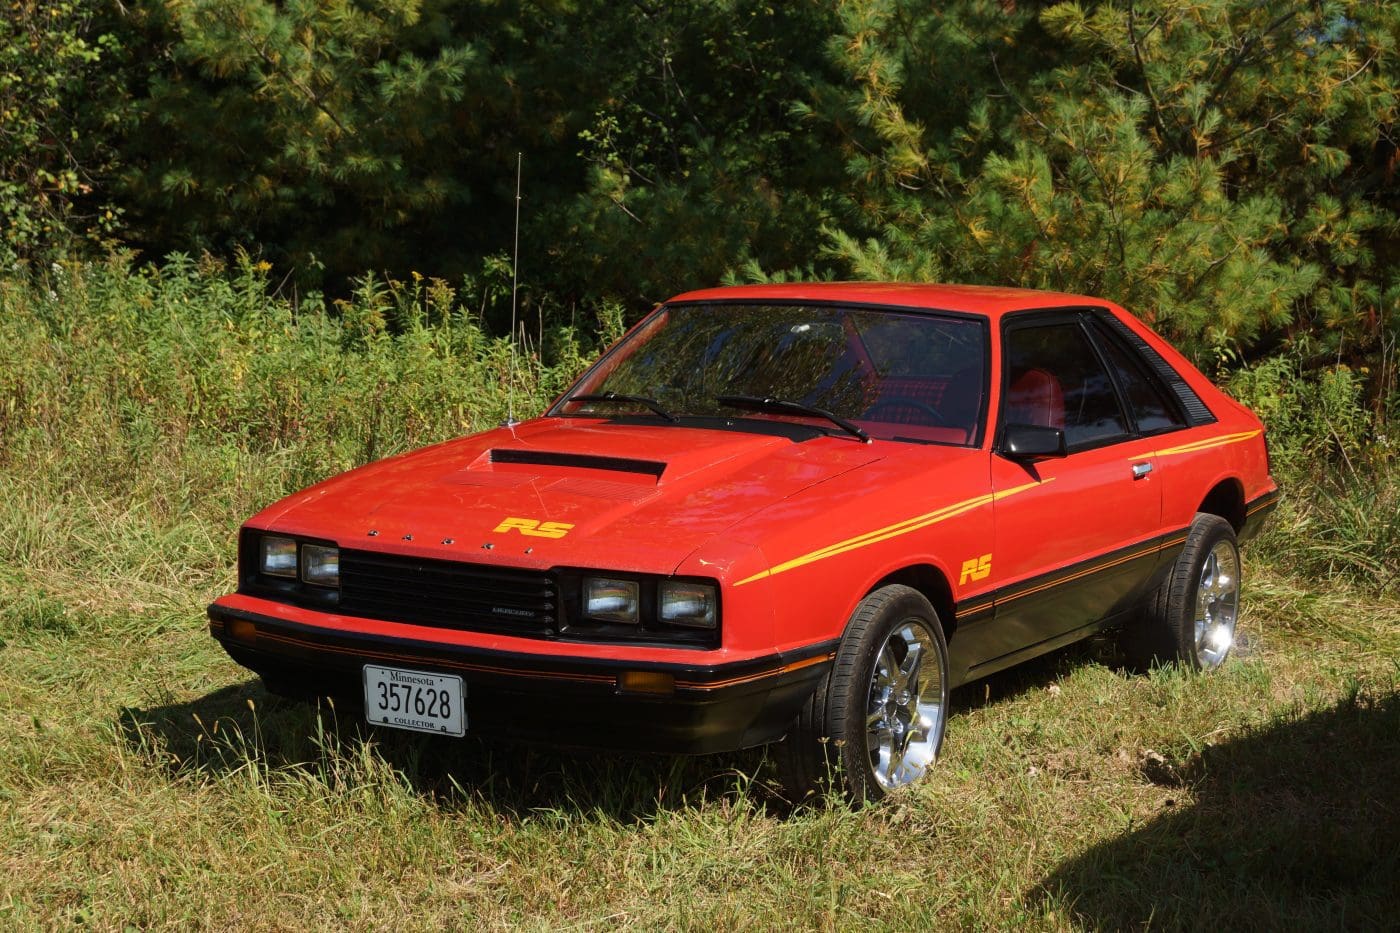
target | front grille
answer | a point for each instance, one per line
(447, 594)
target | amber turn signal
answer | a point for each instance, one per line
(646, 682)
(243, 630)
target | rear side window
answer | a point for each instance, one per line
(1151, 408)
(1196, 411)
(1056, 379)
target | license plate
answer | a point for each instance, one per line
(415, 700)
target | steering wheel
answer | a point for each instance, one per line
(898, 400)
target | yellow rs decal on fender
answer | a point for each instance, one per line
(978, 568)
(535, 529)
(892, 531)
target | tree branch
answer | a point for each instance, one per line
(1146, 81)
(1243, 55)
(262, 53)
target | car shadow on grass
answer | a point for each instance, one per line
(1293, 826)
(232, 728)
(1030, 676)
(227, 730)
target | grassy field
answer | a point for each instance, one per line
(147, 781)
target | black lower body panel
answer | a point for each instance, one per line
(1257, 512)
(561, 701)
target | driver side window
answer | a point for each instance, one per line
(1054, 378)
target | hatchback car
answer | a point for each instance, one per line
(792, 514)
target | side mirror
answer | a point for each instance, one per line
(1032, 442)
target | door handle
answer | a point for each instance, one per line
(1141, 469)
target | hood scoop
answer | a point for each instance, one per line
(650, 468)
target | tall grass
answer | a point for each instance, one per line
(147, 781)
(171, 401)
(1339, 463)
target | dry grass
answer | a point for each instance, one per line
(147, 781)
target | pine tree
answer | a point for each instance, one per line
(1223, 167)
(349, 135)
(328, 133)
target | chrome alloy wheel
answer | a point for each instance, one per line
(904, 717)
(1217, 604)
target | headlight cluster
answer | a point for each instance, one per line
(611, 600)
(677, 602)
(317, 564)
(574, 603)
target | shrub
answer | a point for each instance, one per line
(1341, 508)
(189, 393)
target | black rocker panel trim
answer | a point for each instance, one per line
(979, 613)
(1256, 512)
(998, 629)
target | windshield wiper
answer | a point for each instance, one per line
(642, 400)
(784, 406)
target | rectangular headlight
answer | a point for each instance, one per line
(610, 600)
(277, 556)
(685, 603)
(320, 565)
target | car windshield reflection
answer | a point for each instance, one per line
(892, 375)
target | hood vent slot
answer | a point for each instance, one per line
(582, 461)
(602, 489)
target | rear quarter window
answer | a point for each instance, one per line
(1150, 406)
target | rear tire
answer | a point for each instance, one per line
(876, 720)
(1191, 617)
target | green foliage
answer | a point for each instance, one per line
(347, 136)
(341, 135)
(1222, 167)
(61, 108)
(1315, 417)
(1225, 168)
(1339, 467)
(189, 390)
(694, 160)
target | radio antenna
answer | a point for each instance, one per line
(514, 287)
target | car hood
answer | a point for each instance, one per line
(565, 492)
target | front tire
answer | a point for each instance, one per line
(876, 721)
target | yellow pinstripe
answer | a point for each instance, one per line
(890, 531)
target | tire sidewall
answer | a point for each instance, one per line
(1206, 532)
(847, 704)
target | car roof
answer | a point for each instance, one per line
(990, 300)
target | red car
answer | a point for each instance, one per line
(793, 514)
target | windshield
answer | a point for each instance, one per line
(896, 376)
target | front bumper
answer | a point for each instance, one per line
(560, 700)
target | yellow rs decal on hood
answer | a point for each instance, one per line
(535, 529)
(891, 531)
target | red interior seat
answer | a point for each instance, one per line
(924, 391)
(1036, 398)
